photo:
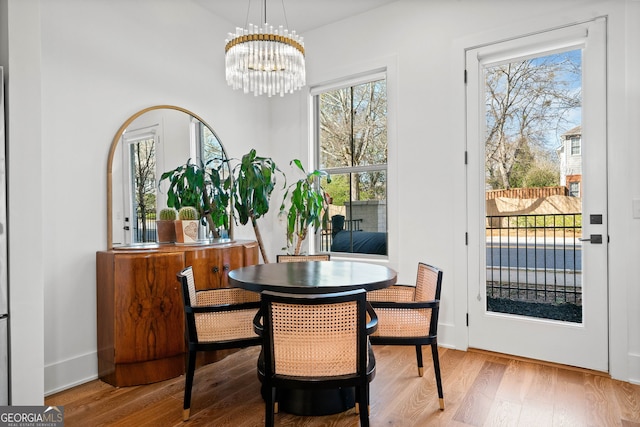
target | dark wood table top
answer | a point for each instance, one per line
(313, 277)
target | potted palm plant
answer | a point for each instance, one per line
(201, 186)
(305, 204)
(251, 185)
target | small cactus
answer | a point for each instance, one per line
(187, 213)
(168, 214)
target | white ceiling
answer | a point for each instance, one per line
(301, 15)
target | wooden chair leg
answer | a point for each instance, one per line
(436, 368)
(419, 357)
(188, 384)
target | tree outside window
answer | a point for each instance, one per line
(143, 167)
(352, 148)
(528, 103)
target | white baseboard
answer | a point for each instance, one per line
(69, 373)
(634, 368)
(447, 337)
(79, 370)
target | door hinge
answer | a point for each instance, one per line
(466, 238)
(465, 76)
(466, 157)
(467, 319)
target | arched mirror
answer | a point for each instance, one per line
(152, 141)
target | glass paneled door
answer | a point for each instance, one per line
(536, 189)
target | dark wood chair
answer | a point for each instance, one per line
(315, 342)
(408, 315)
(303, 258)
(216, 319)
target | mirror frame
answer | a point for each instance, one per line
(114, 145)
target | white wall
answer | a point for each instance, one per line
(25, 201)
(424, 42)
(89, 65)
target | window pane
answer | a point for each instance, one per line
(352, 148)
(533, 260)
(575, 146)
(335, 129)
(353, 126)
(143, 168)
(370, 123)
(358, 213)
(211, 147)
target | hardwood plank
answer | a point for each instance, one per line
(503, 413)
(570, 399)
(628, 397)
(478, 400)
(535, 414)
(602, 408)
(481, 389)
(516, 381)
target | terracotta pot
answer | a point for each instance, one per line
(166, 231)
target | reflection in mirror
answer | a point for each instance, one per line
(152, 141)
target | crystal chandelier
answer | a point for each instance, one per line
(264, 60)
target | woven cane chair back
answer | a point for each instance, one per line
(426, 283)
(303, 258)
(315, 340)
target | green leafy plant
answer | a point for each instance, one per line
(307, 206)
(251, 185)
(202, 187)
(168, 214)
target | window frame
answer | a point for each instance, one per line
(574, 188)
(575, 146)
(314, 150)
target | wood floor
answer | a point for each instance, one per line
(481, 389)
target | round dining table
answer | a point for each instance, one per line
(314, 277)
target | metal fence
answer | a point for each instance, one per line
(145, 230)
(535, 258)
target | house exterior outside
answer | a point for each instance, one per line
(570, 154)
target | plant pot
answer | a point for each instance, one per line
(166, 231)
(186, 231)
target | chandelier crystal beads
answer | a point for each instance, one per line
(265, 61)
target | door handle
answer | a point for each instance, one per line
(593, 238)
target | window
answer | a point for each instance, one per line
(141, 156)
(209, 148)
(574, 189)
(575, 146)
(351, 145)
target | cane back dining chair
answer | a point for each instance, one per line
(215, 319)
(303, 258)
(408, 315)
(315, 342)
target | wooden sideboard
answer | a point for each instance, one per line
(140, 309)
